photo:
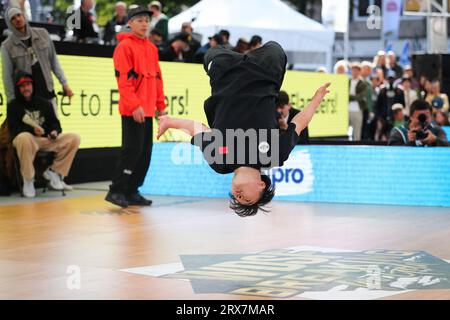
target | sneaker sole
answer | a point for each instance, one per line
(116, 203)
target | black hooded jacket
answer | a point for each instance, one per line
(39, 109)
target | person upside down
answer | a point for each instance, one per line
(242, 137)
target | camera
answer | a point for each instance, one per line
(422, 134)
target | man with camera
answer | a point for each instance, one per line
(419, 131)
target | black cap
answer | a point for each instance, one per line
(139, 10)
(217, 37)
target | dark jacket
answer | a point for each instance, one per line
(86, 29)
(163, 27)
(110, 29)
(361, 94)
(40, 110)
(386, 98)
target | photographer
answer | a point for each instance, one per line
(419, 131)
(285, 113)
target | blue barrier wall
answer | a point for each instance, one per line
(345, 174)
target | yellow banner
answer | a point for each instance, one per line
(93, 110)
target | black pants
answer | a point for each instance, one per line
(134, 161)
(271, 57)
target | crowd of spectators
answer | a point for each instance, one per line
(381, 91)
(383, 99)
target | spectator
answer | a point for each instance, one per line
(410, 74)
(388, 96)
(285, 114)
(213, 41)
(176, 49)
(115, 25)
(156, 39)
(255, 43)
(159, 20)
(140, 85)
(419, 131)
(368, 114)
(33, 126)
(441, 118)
(226, 39)
(434, 91)
(194, 44)
(410, 95)
(31, 50)
(375, 86)
(358, 103)
(394, 66)
(424, 87)
(88, 26)
(380, 61)
(398, 115)
(341, 67)
(242, 46)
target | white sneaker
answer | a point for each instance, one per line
(54, 179)
(28, 189)
(66, 186)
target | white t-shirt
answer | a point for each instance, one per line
(354, 105)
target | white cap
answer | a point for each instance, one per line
(156, 4)
(397, 106)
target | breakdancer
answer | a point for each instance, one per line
(242, 136)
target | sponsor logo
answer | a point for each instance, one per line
(295, 177)
(318, 273)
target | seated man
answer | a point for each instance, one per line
(243, 136)
(285, 114)
(34, 126)
(420, 130)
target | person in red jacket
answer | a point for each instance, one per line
(141, 98)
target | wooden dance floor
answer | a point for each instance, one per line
(81, 247)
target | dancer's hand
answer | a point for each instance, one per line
(322, 91)
(139, 115)
(163, 125)
(39, 132)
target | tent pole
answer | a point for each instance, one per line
(347, 38)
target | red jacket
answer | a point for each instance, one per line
(138, 75)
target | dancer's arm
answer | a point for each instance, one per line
(191, 127)
(303, 118)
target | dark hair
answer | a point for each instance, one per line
(255, 40)
(156, 32)
(250, 210)
(225, 33)
(419, 105)
(282, 99)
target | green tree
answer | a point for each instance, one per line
(105, 8)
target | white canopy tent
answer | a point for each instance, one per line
(307, 43)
